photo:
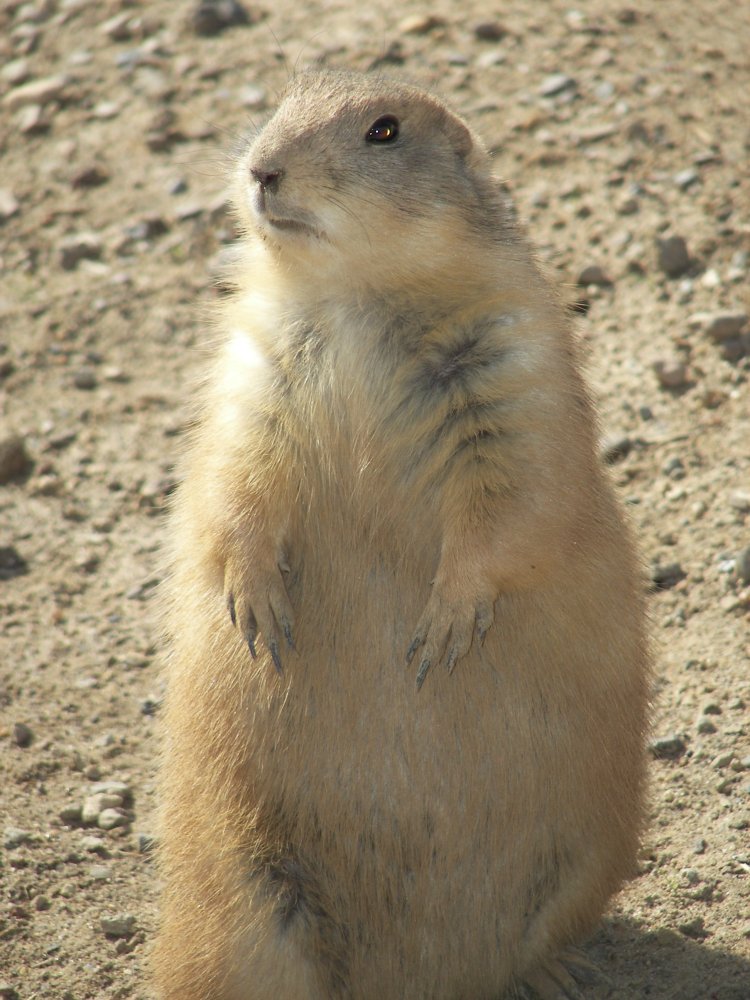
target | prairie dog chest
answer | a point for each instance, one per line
(330, 385)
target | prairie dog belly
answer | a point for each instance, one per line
(450, 808)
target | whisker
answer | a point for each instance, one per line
(301, 51)
(348, 211)
(223, 129)
(218, 166)
(279, 48)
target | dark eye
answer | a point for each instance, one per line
(385, 129)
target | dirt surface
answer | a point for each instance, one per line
(615, 127)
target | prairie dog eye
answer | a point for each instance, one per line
(385, 129)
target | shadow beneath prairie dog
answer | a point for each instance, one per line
(635, 964)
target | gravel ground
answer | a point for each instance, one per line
(624, 134)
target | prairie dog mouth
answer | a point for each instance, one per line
(289, 225)
(269, 218)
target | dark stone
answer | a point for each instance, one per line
(672, 255)
(21, 734)
(490, 31)
(11, 563)
(667, 747)
(14, 459)
(211, 17)
(664, 577)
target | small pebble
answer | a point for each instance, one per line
(671, 373)
(742, 565)
(14, 458)
(249, 97)
(118, 926)
(21, 734)
(672, 256)
(667, 575)
(719, 326)
(119, 788)
(695, 928)
(31, 120)
(93, 845)
(8, 204)
(691, 875)
(37, 92)
(593, 274)
(106, 109)
(94, 805)
(145, 842)
(85, 378)
(705, 726)
(163, 132)
(735, 349)
(16, 71)
(614, 447)
(12, 563)
(556, 83)
(713, 398)
(147, 228)
(71, 815)
(711, 278)
(108, 819)
(685, 289)
(420, 24)
(78, 247)
(667, 747)
(119, 27)
(490, 31)
(740, 501)
(14, 836)
(628, 205)
(686, 178)
(178, 186)
(91, 176)
(210, 17)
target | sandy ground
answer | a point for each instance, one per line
(616, 127)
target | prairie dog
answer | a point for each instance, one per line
(408, 678)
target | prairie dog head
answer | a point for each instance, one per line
(363, 179)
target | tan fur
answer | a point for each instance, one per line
(395, 453)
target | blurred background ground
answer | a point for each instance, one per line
(623, 131)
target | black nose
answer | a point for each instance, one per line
(268, 179)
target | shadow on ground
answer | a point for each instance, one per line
(662, 965)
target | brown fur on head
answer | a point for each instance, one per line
(425, 186)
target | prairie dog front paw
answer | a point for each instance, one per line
(258, 604)
(447, 628)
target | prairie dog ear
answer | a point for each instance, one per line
(461, 135)
(465, 142)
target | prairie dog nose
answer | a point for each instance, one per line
(267, 179)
